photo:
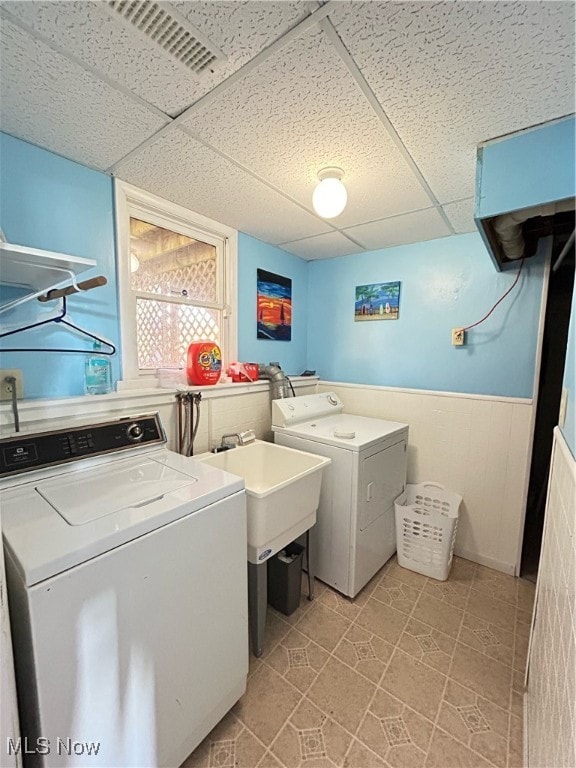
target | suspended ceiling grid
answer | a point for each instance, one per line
(398, 94)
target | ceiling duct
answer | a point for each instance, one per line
(525, 189)
(167, 29)
(517, 232)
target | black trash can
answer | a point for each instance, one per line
(285, 578)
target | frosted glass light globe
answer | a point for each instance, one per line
(329, 198)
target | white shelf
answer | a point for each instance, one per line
(36, 271)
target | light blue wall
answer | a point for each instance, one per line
(529, 168)
(252, 255)
(445, 284)
(51, 203)
(569, 428)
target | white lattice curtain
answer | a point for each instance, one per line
(176, 267)
(165, 331)
(195, 280)
(171, 264)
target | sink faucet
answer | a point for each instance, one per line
(242, 438)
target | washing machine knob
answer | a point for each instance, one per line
(134, 433)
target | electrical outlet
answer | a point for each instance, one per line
(6, 388)
(458, 337)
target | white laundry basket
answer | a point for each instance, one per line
(426, 523)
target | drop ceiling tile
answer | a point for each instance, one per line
(52, 102)
(452, 74)
(322, 247)
(240, 29)
(93, 34)
(398, 230)
(300, 111)
(461, 215)
(87, 31)
(178, 168)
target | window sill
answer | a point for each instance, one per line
(134, 387)
(42, 414)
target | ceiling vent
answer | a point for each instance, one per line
(165, 27)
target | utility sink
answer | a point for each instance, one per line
(282, 490)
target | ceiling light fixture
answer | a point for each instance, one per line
(330, 196)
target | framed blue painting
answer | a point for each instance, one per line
(377, 301)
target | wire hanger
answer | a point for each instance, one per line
(59, 319)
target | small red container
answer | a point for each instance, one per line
(243, 371)
(204, 363)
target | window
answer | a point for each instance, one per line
(177, 278)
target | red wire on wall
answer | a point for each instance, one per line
(487, 315)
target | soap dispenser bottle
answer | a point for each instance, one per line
(97, 372)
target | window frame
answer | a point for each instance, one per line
(134, 202)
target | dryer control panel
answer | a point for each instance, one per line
(292, 410)
(44, 449)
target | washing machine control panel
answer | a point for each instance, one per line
(44, 449)
(135, 433)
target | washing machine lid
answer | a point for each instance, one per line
(82, 498)
(353, 433)
(55, 524)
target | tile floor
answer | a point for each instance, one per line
(412, 673)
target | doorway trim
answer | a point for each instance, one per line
(548, 244)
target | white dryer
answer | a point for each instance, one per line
(355, 529)
(126, 567)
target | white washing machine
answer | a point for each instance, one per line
(126, 569)
(355, 528)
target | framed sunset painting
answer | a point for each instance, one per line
(379, 301)
(274, 306)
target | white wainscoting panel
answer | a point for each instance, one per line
(224, 408)
(550, 728)
(478, 446)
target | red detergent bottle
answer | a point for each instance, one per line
(204, 363)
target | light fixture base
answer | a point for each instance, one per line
(330, 173)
